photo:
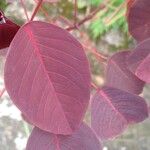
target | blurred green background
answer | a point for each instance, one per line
(107, 33)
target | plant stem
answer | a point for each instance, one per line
(36, 10)
(44, 12)
(87, 18)
(75, 11)
(94, 85)
(2, 92)
(115, 12)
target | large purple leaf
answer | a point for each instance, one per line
(119, 76)
(139, 19)
(82, 139)
(47, 76)
(114, 109)
(139, 61)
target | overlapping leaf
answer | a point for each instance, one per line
(138, 16)
(139, 61)
(114, 109)
(47, 76)
(82, 139)
(119, 76)
(8, 29)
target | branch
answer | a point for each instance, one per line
(2, 92)
(94, 85)
(100, 57)
(75, 11)
(44, 12)
(87, 18)
(36, 10)
(116, 12)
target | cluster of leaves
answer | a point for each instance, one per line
(47, 76)
(3, 5)
(110, 17)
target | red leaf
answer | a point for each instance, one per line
(119, 76)
(139, 19)
(82, 139)
(47, 76)
(139, 61)
(8, 29)
(114, 109)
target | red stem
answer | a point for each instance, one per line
(94, 85)
(36, 10)
(2, 92)
(44, 12)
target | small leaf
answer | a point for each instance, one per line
(119, 76)
(82, 139)
(138, 16)
(47, 76)
(139, 61)
(8, 30)
(113, 110)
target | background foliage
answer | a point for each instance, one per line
(107, 32)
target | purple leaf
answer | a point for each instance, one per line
(139, 61)
(119, 76)
(47, 76)
(138, 16)
(82, 139)
(113, 110)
